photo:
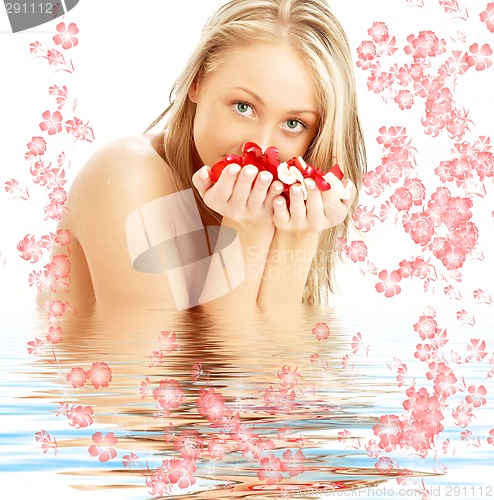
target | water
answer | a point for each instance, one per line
(261, 387)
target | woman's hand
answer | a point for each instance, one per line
(321, 210)
(238, 195)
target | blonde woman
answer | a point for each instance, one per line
(273, 72)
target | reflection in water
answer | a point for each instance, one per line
(201, 400)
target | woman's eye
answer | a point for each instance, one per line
(243, 108)
(295, 125)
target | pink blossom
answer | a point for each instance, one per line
(36, 147)
(54, 335)
(423, 352)
(425, 44)
(279, 400)
(77, 377)
(47, 442)
(487, 16)
(293, 462)
(373, 184)
(404, 99)
(145, 389)
(270, 470)
(80, 130)
(55, 57)
(463, 415)
(30, 249)
(389, 431)
(190, 444)
(426, 327)
(288, 376)
(58, 196)
(373, 448)
(58, 267)
(402, 199)
(480, 57)
(80, 416)
(36, 47)
(321, 331)
(100, 375)
(476, 396)
(490, 439)
(130, 461)
(378, 31)
(217, 449)
(379, 81)
(420, 227)
(169, 395)
(356, 251)
(63, 237)
(367, 51)
(103, 446)
(158, 482)
(210, 404)
(180, 472)
(384, 465)
(167, 341)
(34, 346)
(388, 284)
(65, 36)
(52, 123)
(476, 349)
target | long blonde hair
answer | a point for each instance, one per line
(317, 36)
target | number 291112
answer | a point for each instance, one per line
(29, 8)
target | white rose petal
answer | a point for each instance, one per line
(343, 192)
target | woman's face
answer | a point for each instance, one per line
(260, 93)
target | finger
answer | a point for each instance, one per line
(314, 203)
(281, 216)
(353, 192)
(260, 190)
(274, 190)
(202, 180)
(223, 188)
(243, 186)
(298, 211)
(334, 208)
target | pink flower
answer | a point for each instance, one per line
(169, 395)
(190, 444)
(37, 146)
(416, 189)
(480, 57)
(80, 416)
(367, 51)
(210, 404)
(379, 32)
(288, 377)
(58, 267)
(356, 251)
(364, 219)
(77, 377)
(63, 237)
(270, 470)
(389, 431)
(54, 335)
(463, 415)
(65, 36)
(490, 439)
(180, 472)
(100, 375)
(388, 283)
(321, 331)
(402, 199)
(80, 130)
(476, 396)
(404, 99)
(426, 327)
(167, 341)
(52, 123)
(425, 44)
(384, 465)
(145, 389)
(30, 249)
(476, 348)
(293, 462)
(420, 228)
(130, 461)
(487, 16)
(34, 346)
(103, 446)
(280, 399)
(217, 449)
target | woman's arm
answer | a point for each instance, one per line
(296, 239)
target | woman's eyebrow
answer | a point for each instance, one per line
(258, 99)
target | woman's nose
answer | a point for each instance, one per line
(264, 138)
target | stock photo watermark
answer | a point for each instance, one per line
(440, 491)
(29, 14)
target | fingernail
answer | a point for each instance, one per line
(310, 184)
(234, 169)
(203, 173)
(278, 187)
(296, 190)
(250, 171)
(265, 177)
(278, 202)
